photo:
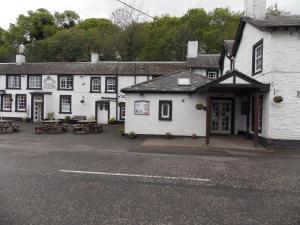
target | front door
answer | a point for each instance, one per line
(103, 113)
(38, 108)
(221, 113)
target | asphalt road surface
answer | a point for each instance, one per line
(107, 179)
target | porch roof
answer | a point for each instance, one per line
(234, 81)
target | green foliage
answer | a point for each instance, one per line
(50, 115)
(67, 119)
(122, 130)
(112, 120)
(64, 37)
(169, 135)
(132, 135)
(273, 10)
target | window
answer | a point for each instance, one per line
(21, 103)
(110, 84)
(213, 74)
(96, 84)
(13, 82)
(165, 110)
(122, 110)
(34, 82)
(65, 104)
(257, 58)
(184, 81)
(65, 82)
(142, 108)
(6, 102)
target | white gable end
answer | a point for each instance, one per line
(227, 81)
(239, 80)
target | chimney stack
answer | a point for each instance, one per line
(255, 9)
(192, 51)
(20, 59)
(94, 57)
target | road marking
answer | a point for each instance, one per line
(136, 175)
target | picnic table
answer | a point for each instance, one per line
(51, 127)
(7, 126)
(87, 126)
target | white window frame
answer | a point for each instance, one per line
(111, 84)
(34, 82)
(212, 74)
(66, 83)
(6, 103)
(13, 82)
(21, 103)
(168, 115)
(258, 57)
(98, 85)
(66, 104)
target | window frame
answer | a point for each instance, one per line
(2, 108)
(28, 83)
(160, 108)
(59, 84)
(212, 70)
(13, 88)
(60, 104)
(254, 59)
(122, 106)
(91, 85)
(116, 84)
(17, 103)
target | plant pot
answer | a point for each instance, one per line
(200, 106)
(81, 101)
(278, 99)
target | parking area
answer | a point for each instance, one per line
(108, 179)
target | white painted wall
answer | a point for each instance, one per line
(227, 65)
(281, 68)
(187, 120)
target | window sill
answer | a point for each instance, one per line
(65, 113)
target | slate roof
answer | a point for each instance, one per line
(168, 84)
(100, 68)
(204, 61)
(274, 22)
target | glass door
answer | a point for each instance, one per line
(221, 111)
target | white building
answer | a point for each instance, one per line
(90, 89)
(258, 94)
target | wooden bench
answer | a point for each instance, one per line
(38, 130)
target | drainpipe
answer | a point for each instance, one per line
(117, 93)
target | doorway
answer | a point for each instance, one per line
(102, 112)
(37, 108)
(221, 116)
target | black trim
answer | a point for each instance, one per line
(116, 85)
(91, 82)
(161, 102)
(97, 103)
(212, 70)
(260, 43)
(60, 98)
(58, 83)
(121, 105)
(38, 75)
(2, 96)
(19, 76)
(16, 103)
(232, 111)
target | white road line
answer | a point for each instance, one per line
(136, 175)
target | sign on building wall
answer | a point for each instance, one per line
(142, 108)
(49, 83)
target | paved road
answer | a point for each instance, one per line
(241, 187)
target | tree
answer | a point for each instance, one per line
(274, 11)
(66, 19)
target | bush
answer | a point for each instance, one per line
(26, 120)
(132, 135)
(169, 135)
(112, 120)
(122, 130)
(50, 115)
(67, 119)
(194, 136)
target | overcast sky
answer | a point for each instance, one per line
(10, 10)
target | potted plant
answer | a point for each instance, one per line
(194, 136)
(200, 106)
(67, 119)
(169, 135)
(81, 101)
(112, 120)
(132, 135)
(278, 99)
(122, 130)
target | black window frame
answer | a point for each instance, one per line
(116, 84)
(36, 75)
(122, 105)
(63, 89)
(60, 104)
(212, 70)
(11, 105)
(258, 44)
(16, 103)
(160, 117)
(91, 86)
(13, 75)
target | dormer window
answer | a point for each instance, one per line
(184, 81)
(213, 74)
(257, 57)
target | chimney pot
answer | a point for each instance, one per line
(94, 57)
(192, 49)
(255, 9)
(20, 59)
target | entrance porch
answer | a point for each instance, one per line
(234, 106)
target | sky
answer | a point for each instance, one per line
(10, 10)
